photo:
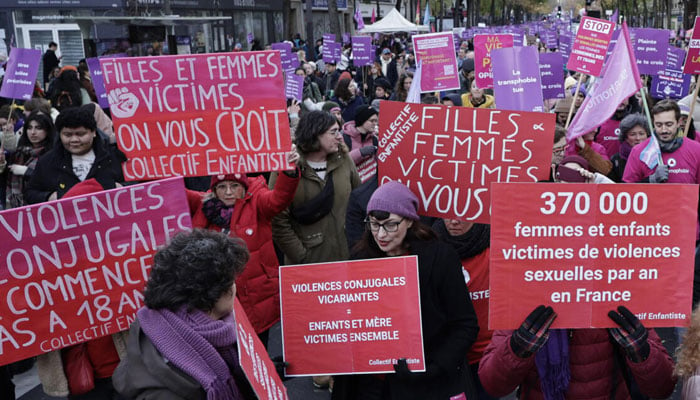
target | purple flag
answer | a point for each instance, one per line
(611, 46)
(250, 37)
(20, 75)
(359, 20)
(97, 78)
(552, 73)
(615, 16)
(620, 80)
(650, 49)
(346, 38)
(294, 86)
(517, 84)
(362, 51)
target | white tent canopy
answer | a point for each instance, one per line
(394, 22)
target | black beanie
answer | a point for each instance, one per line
(363, 114)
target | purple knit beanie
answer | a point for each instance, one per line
(394, 197)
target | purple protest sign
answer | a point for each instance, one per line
(362, 51)
(97, 79)
(250, 37)
(552, 75)
(650, 49)
(675, 58)
(435, 52)
(516, 79)
(337, 51)
(670, 84)
(289, 60)
(328, 38)
(327, 52)
(551, 40)
(346, 38)
(517, 40)
(294, 86)
(20, 75)
(565, 40)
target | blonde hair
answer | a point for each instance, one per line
(688, 354)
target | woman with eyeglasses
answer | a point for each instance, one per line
(243, 207)
(448, 318)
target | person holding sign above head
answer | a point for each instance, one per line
(243, 207)
(182, 344)
(360, 136)
(577, 363)
(82, 154)
(476, 98)
(449, 322)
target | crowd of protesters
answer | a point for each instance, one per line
(329, 207)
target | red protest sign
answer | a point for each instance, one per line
(590, 46)
(448, 156)
(361, 316)
(585, 249)
(692, 60)
(196, 115)
(254, 360)
(483, 44)
(74, 269)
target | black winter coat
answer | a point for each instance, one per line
(449, 330)
(54, 171)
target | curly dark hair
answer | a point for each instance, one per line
(342, 90)
(312, 125)
(195, 270)
(45, 123)
(76, 117)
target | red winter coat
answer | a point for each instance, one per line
(592, 365)
(257, 287)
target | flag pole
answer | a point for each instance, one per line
(573, 102)
(692, 106)
(642, 90)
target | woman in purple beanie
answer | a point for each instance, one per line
(448, 319)
(183, 342)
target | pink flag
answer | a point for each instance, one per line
(418, 12)
(374, 16)
(620, 80)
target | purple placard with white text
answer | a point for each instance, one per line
(289, 60)
(20, 75)
(565, 40)
(435, 52)
(97, 80)
(650, 49)
(327, 52)
(362, 51)
(517, 84)
(337, 51)
(670, 84)
(250, 37)
(552, 74)
(328, 38)
(294, 86)
(675, 58)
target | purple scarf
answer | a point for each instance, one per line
(625, 150)
(203, 348)
(552, 363)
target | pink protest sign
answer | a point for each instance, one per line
(435, 52)
(692, 61)
(198, 114)
(483, 44)
(590, 45)
(74, 269)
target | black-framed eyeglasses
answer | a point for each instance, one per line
(389, 226)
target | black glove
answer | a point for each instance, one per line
(402, 371)
(280, 365)
(368, 150)
(533, 333)
(660, 175)
(631, 335)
